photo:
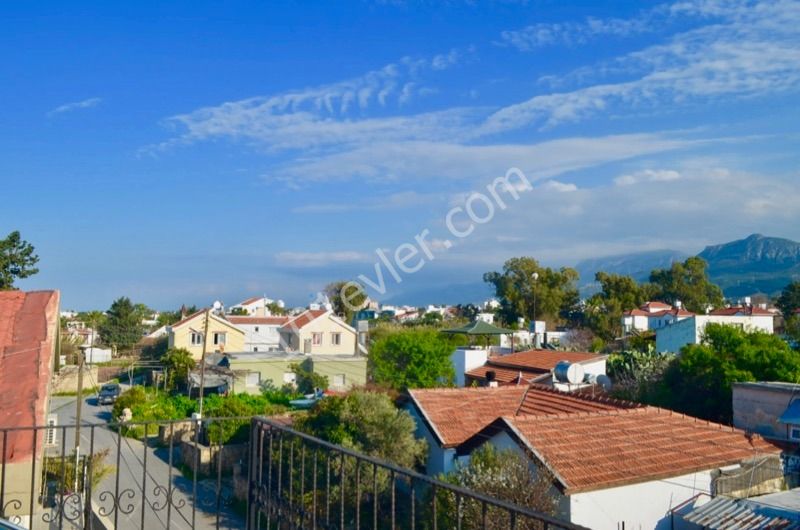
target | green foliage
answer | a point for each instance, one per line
(618, 293)
(526, 289)
(123, 326)
(367, 422)
(306, 379)
(239, 311)
(94, 319)
(55, 467)
(17, 260)
(178, 362)
(346, 297)
(699, 381)
(237, 405)
(687, 282)
(502, 474)
(789, 300)
(128, 400)
(412, 358)
(638, 374)
(166, 318)
(275, 309)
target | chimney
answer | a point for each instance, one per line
(490, 379)
(678, 304)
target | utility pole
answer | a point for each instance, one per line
(203, 363)
(79, 403)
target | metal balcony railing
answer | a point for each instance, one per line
(176, 474)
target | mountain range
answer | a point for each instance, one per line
(755, 264)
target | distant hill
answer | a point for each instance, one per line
(638, 265)
(756, 264)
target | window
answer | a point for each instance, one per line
(289, 377)
(197, 339)
(255, 348)
(256, 329)
(219, 338)
(338, 380)
(253, 379)
(316, 339)
(336, 339)
(794, 433)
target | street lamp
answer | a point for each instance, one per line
(534, 276)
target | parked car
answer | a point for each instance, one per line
(108, 394)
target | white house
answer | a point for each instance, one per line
(261, 334)
(675, 336)
(256, 306)
(652, 316)
(623, 467)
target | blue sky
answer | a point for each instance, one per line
(199, 151)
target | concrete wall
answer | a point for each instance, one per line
(352, 371)
(270, 370)
(465, 359)
(690, 330)
(67, 378)
(440, 460)
(261, 337)
(757, 409)
(327, 325)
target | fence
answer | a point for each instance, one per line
(136, 475)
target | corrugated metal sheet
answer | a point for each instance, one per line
(723, 513)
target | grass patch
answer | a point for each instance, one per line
(84, 393)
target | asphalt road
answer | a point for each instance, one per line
(141, 499)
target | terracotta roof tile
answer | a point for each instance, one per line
(540, 360)
(29, 325)
(505, 376)
(730, 311)
(303, 319)
(455, 414)
(626, 446)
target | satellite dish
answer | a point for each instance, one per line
(217, 305)
(601, 380)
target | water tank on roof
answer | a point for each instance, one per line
(567, 372)
(599, 379)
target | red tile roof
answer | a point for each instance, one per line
(456, 414)
(267, 321)
(657, 306)
(636, 313)
(626, 446)
(505, 376)
(186, 319)
(29, 326)
(540, 360)
(251, 300)
(675, 311)
(303, 319)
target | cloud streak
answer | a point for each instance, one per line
(76, 105)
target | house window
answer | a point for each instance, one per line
(289, 377)
(256, 329)
(219, 338)
(338, 380)
(255, 348)
(316, 339)
(336, 339)
(197, 339)
(794, 433)
(253, 379)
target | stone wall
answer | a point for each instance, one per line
(209, 456)
(66, 380)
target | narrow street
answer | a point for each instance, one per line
(142, 478)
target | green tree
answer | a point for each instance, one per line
(94, 319)
(638, 374)
(501, 474)
(275, 309)
(618, 293)
(306, 379)
(346, 297)
(528, 290)
(412, 358)
(166, 318)
(17, 260)
(789, 300)
(367, 422)
(123, 325)
(699, 381)
(688, 283)
(178, 362)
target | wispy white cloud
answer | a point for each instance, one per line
(752, 51)
(320, 259)
(75, 105)
(393, 201)
(647, 175)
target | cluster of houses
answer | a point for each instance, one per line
(675, 327)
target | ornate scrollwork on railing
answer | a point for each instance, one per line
(70, 507)
(169, 498)
(117, 502)
(14, 504)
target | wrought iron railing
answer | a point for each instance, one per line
(298, 481)
(161, 474)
